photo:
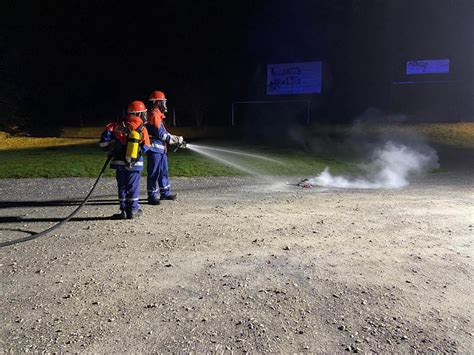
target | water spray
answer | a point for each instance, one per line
(236, 152)
(198, 149)
(217, 154)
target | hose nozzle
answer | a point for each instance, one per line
(180, 146)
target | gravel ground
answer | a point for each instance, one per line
(240, 264)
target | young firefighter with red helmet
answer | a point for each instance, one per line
(127, 141)
(157, 160)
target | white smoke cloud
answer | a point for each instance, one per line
(392, 164)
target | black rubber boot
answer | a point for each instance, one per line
(153, 200)
(131, 214)
(121, 215)
(171, 196)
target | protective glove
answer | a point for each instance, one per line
(175, 140)
(109, 149)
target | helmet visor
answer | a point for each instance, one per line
(161, 105)
(142, 114)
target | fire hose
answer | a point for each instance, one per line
(65, 220)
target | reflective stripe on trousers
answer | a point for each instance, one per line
(128, 184)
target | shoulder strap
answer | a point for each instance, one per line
(140, 128)
(125, 128)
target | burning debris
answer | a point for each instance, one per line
(305, 183)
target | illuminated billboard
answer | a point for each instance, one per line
(294, 78)
(434, 66)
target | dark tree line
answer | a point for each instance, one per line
(79, 62)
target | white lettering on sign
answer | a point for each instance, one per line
(434, 66)
(294, 78)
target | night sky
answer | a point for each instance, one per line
(74, 62)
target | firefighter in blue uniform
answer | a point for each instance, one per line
(158, 184)
(127, 141)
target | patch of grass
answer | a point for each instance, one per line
(24, 157)
(85, 160)
(455, 134)
(460, 135)
(8, 142)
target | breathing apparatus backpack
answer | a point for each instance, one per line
(133, 152)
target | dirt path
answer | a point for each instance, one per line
(244, 265)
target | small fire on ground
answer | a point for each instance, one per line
(305, 183)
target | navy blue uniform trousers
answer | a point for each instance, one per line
(157, 175)
(128, 183)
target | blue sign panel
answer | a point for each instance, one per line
(434, 66)
(294, 78)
